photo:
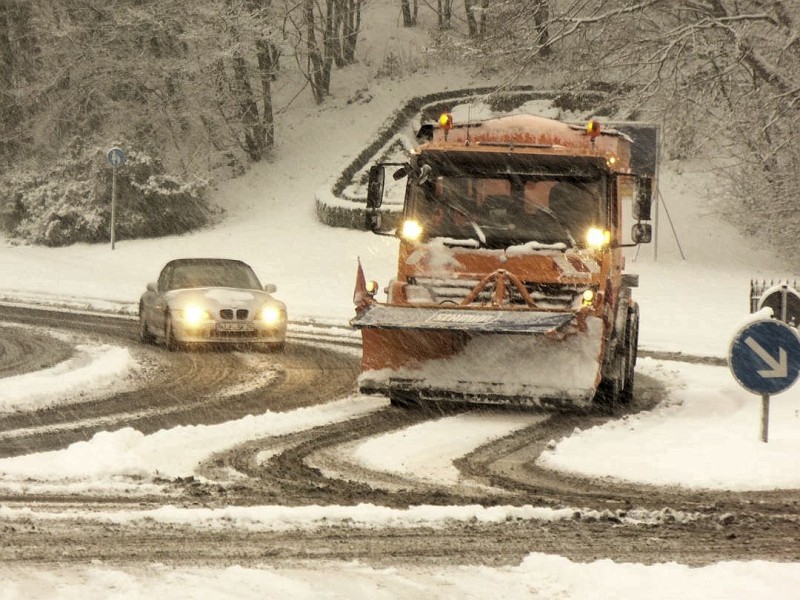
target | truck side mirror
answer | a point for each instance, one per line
(642, 233)
(375, 183)
(373, 221)
(644, 200)
(401, 172)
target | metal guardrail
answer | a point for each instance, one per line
(329, 333)
(779, 295)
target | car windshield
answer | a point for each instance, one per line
(229, 275)
(511, 209)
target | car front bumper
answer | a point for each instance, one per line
(215, 332)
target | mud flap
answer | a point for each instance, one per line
(467, 321)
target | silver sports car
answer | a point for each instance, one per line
(211, 301)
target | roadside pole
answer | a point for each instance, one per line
(765, 418)
(117, 158)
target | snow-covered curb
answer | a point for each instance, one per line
(283, 518)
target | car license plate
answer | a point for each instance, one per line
(228, 327)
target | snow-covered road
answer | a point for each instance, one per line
(698, 440)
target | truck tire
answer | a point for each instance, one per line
(617, 389)
(609, 392)
(631, 350)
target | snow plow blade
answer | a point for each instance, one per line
(466, 321)
(410, 354)
(477, 392)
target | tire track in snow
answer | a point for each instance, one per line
(185, 388)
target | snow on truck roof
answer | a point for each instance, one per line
(632, 142)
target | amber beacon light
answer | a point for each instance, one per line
(593, 129)
(446, 121)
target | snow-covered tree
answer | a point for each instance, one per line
(719, 74)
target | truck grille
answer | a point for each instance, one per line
(455, 291)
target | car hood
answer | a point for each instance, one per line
(215, 299)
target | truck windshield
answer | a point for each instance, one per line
(510, 209)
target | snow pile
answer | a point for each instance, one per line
(92, 372)
(706, 435)
(362, 516)
(538, 577)
(169, 453)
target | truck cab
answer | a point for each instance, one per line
(510, 227)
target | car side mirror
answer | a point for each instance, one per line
(152, 287)
(642, 233)
(270, 288)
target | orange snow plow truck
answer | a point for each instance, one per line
(510, 286)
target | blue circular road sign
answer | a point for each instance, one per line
(116, 157)
(764, 357)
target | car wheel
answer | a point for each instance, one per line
(169, 335)
(144, 332)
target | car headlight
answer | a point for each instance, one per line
(194, 315)
(271, 315)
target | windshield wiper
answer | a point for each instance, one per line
(466, 215)
(457, 242)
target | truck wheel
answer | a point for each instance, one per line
(609, 392)
(617, 389)
(631, 353)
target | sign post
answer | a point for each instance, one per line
(117, 158)
(764, 358)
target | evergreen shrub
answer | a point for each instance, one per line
(69, 201)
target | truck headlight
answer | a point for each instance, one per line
(411, 231)
(598, 238)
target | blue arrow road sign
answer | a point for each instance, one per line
(764, 357)
(116, 157)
